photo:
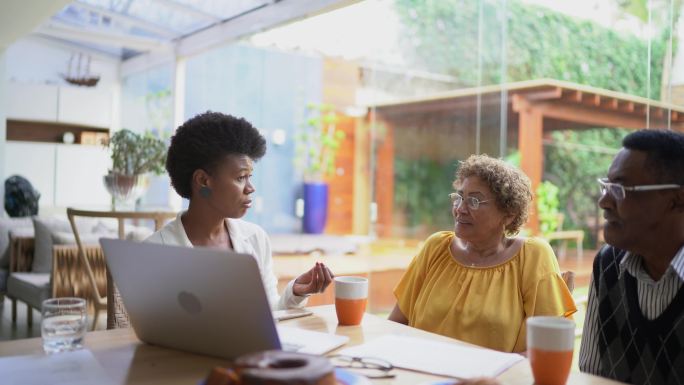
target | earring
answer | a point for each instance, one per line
(205, 191)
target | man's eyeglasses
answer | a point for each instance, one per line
(618, 191)
(473, 203)
(367, 366)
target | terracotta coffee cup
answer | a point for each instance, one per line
(351, 296)
(550, 343)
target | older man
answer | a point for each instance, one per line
(634, 329)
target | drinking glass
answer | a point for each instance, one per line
(64, 324)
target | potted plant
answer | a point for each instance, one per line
(134, 156)
(317, 145)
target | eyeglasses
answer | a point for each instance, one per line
(473, 203)
(618, 191)
(369, 367)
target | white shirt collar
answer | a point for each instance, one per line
(632, 263)
(236, 235)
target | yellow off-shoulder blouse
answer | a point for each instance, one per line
(486, 306)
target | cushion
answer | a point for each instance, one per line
(44, 240)
(44, 227)
(68, 238)
(57, 231)
(7, 225)
(138, 233)
(31, 288)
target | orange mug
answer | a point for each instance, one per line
(550, 342)
(351, 296)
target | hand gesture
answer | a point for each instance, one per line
(313, 281)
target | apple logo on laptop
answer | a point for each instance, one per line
(189, 302)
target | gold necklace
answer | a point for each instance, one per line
(476, 264)
(470, 262)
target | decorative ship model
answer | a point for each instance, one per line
(80, 75)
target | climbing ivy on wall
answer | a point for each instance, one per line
(421, 194)
(442, 36)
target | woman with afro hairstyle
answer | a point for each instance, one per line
(210, 163)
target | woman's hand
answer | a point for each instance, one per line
(313, 281)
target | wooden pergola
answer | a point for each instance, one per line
(533, 109)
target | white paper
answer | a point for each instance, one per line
(308, 341)
(435, 357)
(74, 368)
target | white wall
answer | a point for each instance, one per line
(65, 175)
(35, 162)
(59, 172)
(35, 60)
(39, 62)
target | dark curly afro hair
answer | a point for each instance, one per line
(203, 141)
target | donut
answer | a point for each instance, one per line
(275, 367)
(222, 376)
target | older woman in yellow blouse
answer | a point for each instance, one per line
(480, 282)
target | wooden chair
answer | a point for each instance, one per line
(21, 252)
(117, 317)
(70, 275)
(67, 277)
(564, 236)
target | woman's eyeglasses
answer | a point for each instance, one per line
(473, 203)
(367, 366)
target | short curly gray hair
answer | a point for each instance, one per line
(511, 187)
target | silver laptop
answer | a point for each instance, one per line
(201, 300)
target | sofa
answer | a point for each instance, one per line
(44, 261)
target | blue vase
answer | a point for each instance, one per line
(315, 207)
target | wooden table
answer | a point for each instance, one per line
(129, 361)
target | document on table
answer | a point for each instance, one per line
(309, 341)
(74, 368)
(435, 357)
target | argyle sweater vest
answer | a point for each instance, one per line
(632, 348)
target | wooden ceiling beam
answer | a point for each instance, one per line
(590, 116)
(626, 106)
(640, 109)
(573, 96)
(593, 100)
(610, 103)
(542, 94)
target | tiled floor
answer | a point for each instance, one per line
(20, 329)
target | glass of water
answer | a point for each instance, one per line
(64, 324)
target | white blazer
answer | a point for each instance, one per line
(247, 238)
